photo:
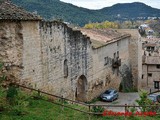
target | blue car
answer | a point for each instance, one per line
(154, 97)
(109, 95)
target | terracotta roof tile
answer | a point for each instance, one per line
(101, 37)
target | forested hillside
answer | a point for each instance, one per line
(55, 9)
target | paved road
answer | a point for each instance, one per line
(124, 98)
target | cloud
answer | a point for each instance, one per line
(98, 4)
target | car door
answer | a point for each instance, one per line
(115, 94)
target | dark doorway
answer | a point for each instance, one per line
(81, 89)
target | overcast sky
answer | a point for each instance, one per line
(98, 4)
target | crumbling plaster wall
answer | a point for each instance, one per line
(11, 46)
(32, 57)
(104, 76)
(37, 51)
(60, 43)
(21, 51)
(135, 58)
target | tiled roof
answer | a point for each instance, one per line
(9, 11)
(101, 37)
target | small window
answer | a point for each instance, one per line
(105, 60)
(65, 69)
(142, 76)
(114, 55)
(158, 66)
(118, 54)
(149, 74)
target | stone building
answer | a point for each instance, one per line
(150, 63)
(75, 64)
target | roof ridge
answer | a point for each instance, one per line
(10, 11)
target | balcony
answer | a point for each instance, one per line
(116, 63)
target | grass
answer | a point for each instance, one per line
(29, 108)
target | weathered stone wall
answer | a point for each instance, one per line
(60, 44)
(21, 51)
(61, 61)
(32, 72)
(11, 45)
(135, 56)
(104, 76)
(148, 80)
(144, 76)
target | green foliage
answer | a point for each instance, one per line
(3, 103)
(62, 101)
(2, 76)
(155, 25)
(97, 109)
(53, 9)
(1, 66)
(11, 94)
(127, 82)
(105, 24)
(28, 108)
(144, 101)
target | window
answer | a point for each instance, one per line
(118, 54)
(105, 60)
(114, 55)
(149, 74)
(158, 66)
(142, 76)
(65, 69)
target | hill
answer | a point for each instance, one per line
(55, 9)
(130, 11)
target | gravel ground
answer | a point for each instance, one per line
(124, 98)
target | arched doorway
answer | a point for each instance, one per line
(81, 89)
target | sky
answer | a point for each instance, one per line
(98, 4)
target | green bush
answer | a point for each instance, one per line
(11, 94)
(97, 109)
(144, 101)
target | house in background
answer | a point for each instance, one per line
(150, 64)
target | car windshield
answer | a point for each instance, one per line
(108, 92)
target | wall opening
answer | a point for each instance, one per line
(81, 89)
(65, 68)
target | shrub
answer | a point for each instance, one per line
(144, 101)
(11, 94)
(97, 109)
